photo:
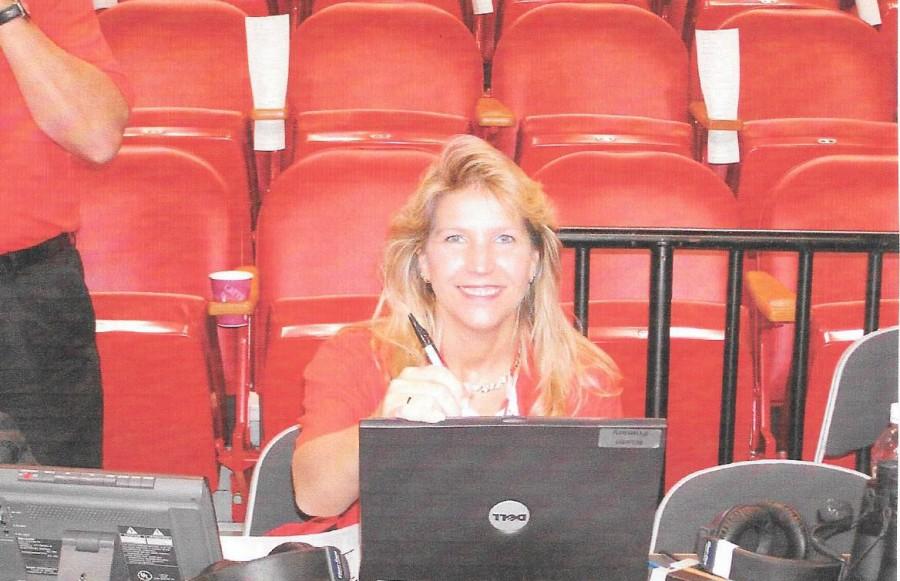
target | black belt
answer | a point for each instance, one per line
(19, 259)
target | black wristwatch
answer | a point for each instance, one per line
(13, 11)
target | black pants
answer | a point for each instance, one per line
(49, 369)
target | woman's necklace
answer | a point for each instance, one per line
(492, 386)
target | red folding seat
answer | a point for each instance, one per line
(320, 240)
(250, 7)
(769, 149)
(591, 77)
(791, 97)
(454, 7)
(372, 74)
(154, 224)
(187, 62)
(658, 189)
(686, 16)
(842, 192)
(508, 11)
(783, 73)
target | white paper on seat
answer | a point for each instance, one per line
(346, 540)
(268, 50)
(101, 4)
(719, 66)
(482, 7)
(869, 11)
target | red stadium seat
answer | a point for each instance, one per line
(591, 77)
(453, 7)
(250, 7)
(771, 148)
(780, 76)
(358, 77)
(655, 189)
(154, 224)
(815, 196)
(186, 94)
(508, 11)
(710, 14)
(320, 241)
(794, 105)
(161, 384)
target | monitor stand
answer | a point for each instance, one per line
(89, 556)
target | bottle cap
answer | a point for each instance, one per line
(895, 413)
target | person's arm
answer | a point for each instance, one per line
(326, 473)
(73, 102)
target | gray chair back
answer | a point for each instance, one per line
(271, 498)
(862, 391)
(697, 499)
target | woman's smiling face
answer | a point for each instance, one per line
(479, 259)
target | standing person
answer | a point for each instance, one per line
(474, 257)
(62, 96)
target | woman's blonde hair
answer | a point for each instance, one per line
(563, 357)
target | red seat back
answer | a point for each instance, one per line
(453, 7)
(181, 54)
(358, 73)
(782, 74)
(591, 58)
(658, 190)
(642, 190)
(153, 220)
(842, 192)
(582, 75)
(320, 241)
(772, 147)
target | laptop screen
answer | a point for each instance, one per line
(509, 498)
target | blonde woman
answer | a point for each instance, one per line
(474, 257)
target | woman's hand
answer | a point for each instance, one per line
(423, 394)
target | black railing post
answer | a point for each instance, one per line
(730, 356)
(800, 356)
(873, 291)
(873, 304)
(582, 287)
(658, 330)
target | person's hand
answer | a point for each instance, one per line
(423, 394)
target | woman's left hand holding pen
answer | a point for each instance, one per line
(424, 394)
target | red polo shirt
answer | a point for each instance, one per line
(37, 200)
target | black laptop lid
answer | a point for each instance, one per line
(509, 498)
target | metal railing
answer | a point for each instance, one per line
(662, 244)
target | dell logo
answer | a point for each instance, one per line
(509, 516)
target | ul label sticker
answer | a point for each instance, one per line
(149, 554)
(509, 516)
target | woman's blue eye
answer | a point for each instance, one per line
(454, 238)
(506, 239)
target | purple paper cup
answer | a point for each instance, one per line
(231, 286)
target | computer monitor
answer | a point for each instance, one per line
(62, 523)
(509, 498)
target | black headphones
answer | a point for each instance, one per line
(773, 543)
(286, 562)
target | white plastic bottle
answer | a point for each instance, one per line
(885, 446)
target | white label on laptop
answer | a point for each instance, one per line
(629, 438)
(509, 516)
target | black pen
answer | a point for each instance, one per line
(427, 344)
